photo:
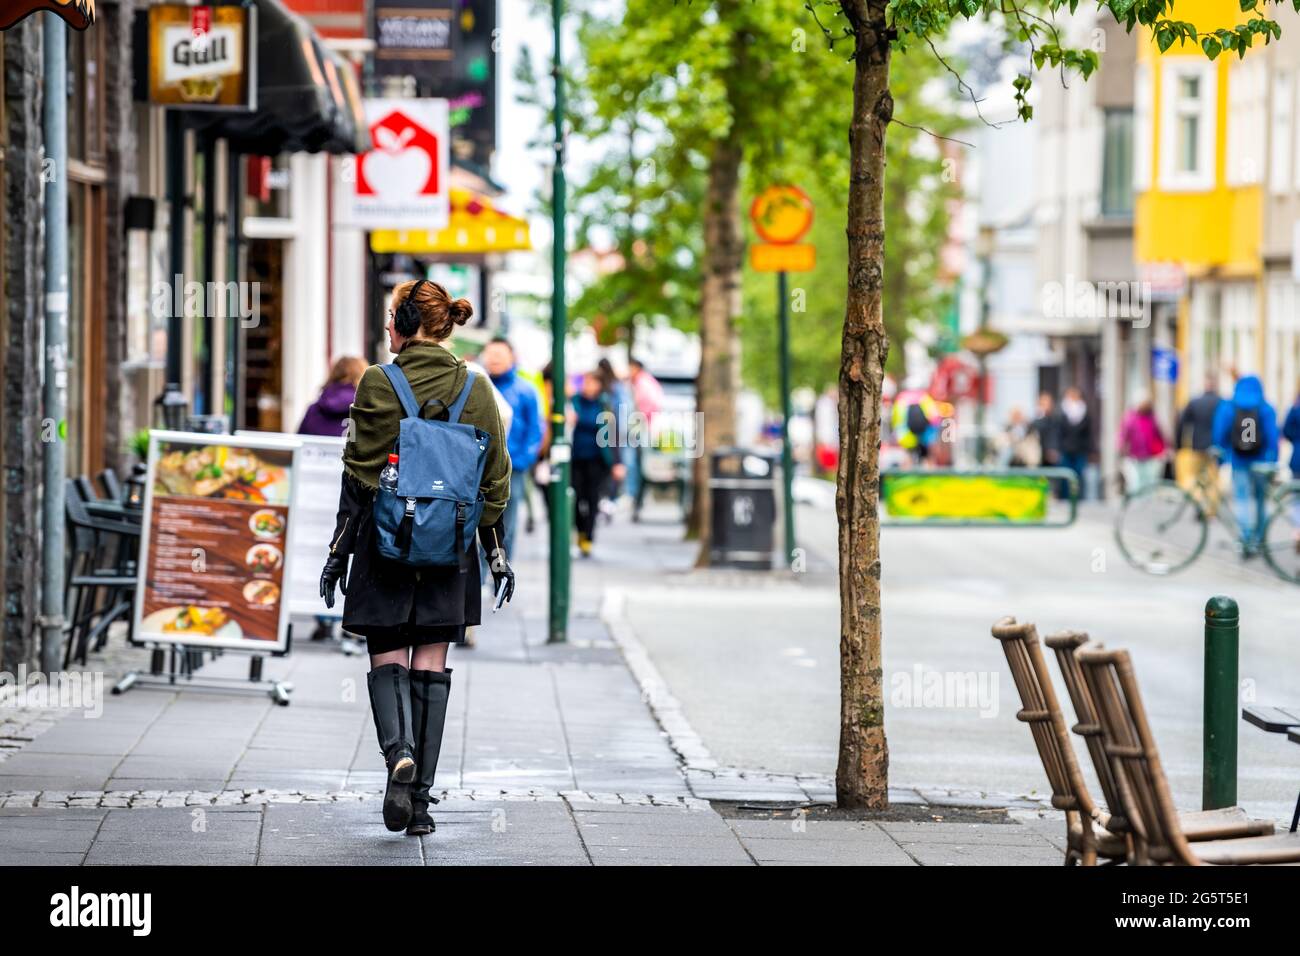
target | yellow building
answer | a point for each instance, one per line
(1201, 162)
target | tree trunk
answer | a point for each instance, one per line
(862, 776)
(719, 377)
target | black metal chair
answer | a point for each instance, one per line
(111, 484)
(101, 572)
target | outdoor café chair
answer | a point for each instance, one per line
(96, 593)
(1157, 835)
(1086, 837)
(1227, 823)
(111, 484)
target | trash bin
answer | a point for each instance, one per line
(742, 486)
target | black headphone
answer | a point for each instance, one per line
(406, 320)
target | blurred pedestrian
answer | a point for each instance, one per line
(593, 461)
(1291, 432)
(619, 394)
(328, 415)
(914, 422)
(1142, 446)
(826, 432)
(1047, 426)
(1195, 464)
(411, 615)
(1076, 437)
(648, 399)
(1019, 443)
(524, 439)
(1245, 433)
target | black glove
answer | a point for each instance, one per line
(491, 538)
(334, 573)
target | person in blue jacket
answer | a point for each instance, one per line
(524, 441)
(1291, 432)
(1245, 434)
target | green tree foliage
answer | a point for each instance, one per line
(918, 189)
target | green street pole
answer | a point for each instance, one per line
(558, 629)
(787, 457)
(1219, 754)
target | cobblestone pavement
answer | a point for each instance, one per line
(557, 754)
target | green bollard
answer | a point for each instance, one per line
(1219, 758)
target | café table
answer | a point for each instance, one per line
(1277, 720)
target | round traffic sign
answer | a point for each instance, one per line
(781, 214)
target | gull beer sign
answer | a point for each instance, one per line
(202, 57)
(78, 13)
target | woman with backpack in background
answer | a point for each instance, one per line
(410, 614)
(1245, 433)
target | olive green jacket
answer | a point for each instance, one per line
(434, 373)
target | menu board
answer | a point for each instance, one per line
(318, 472)
(216, 541)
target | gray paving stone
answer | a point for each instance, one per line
(964, 834)
(766, 851)
(948, 854)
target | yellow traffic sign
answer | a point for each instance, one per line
(782, 257)
(781, 214)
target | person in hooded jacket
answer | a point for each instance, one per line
(328, 415)
(1245, 434)
(410, 616)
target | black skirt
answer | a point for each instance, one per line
(393, 605)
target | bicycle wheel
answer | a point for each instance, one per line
(1281, 539)
(1160, 529)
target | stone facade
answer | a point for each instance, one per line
(20, 398)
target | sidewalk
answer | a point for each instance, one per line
(551, 756)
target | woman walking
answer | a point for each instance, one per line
(410, 615)
(593, 455)
(1142, 446)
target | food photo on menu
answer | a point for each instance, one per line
(216, 548)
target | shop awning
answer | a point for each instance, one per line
(307, 96)
(476, 227)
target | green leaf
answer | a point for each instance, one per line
(1164, 38)
(1212, 47)
(1247, 5)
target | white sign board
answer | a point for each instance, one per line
(319, 472)
(402, 183)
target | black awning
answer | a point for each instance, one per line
(302, 103)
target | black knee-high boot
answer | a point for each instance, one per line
(390, 703)
(429, 692)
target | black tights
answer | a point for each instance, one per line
(589, 476)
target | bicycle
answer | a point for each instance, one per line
(1164, 527)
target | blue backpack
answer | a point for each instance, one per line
(437, 506)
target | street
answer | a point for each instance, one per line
(759, 682)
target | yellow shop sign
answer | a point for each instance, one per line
(202, 57)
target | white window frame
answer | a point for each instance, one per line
(1247, 132)
(1282, 113)
(1143, 129)
(1173, 179)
